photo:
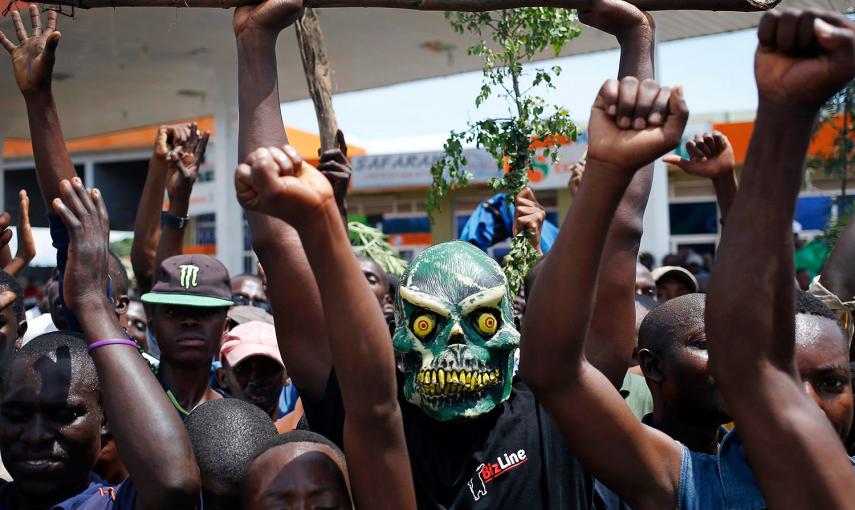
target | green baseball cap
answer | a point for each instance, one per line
(191, 280)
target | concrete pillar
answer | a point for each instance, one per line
(442, 229)
(225, 144)
(563, 201)
(657, 224)
(89, 174)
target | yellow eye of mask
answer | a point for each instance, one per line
(424, 325)
(487, 323)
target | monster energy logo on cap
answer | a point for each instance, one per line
(189, 275)
(191, 280)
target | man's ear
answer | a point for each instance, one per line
(22, 330)
(121, 305)
(651, 365)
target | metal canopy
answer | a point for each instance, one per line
(128, 67)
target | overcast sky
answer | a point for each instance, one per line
(716, 72)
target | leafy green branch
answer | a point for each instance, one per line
(507, 40)
(372, 243)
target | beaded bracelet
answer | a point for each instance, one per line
(102, 343)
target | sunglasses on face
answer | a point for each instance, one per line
(242, 300)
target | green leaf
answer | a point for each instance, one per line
(507, 39)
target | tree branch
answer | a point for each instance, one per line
(442, 5)
(317, 70)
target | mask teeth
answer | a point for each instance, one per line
(445, 382)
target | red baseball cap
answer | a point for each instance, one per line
(251, 339)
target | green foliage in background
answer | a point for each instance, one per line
(839, 114)
(371, 242)
(507, 40)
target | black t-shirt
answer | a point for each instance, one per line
(511, 458)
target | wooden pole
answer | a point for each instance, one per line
(317, 70)
(442, 5)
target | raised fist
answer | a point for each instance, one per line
(633, 123)
(710, 156)
(804, 57)
(277, 182)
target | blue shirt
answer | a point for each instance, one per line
(720, 481)
(99, 495)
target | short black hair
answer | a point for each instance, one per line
(296, 436)
(56, 345)
(11, 284)
(809, 304)
(670, 320)
(118, 275)
(225, 434)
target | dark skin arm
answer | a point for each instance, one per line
(292, 290)
(33, 59)
(612, 330)
(711, 156)
(800, 63)
(26, 244)
(553, 360)
(276, 182)
(150, 437)
(183, 162)
(147, 221)
(5, 237)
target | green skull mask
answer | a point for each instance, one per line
(455, 328)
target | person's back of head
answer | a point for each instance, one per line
(292, 468)
(50, 389)
(226, 434)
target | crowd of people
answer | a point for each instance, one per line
(323, 383)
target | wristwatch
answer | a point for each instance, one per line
(176, 222)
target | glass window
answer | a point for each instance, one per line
(693, 218)
(121, 183)
(406, 225)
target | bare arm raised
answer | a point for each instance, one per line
(553, 359)
(183, 163)
(33, 60)
(612, 330)
(291, 288)
(147, 221)
(151, 439)
(276, 182)
(804, 57)
(26, 245)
